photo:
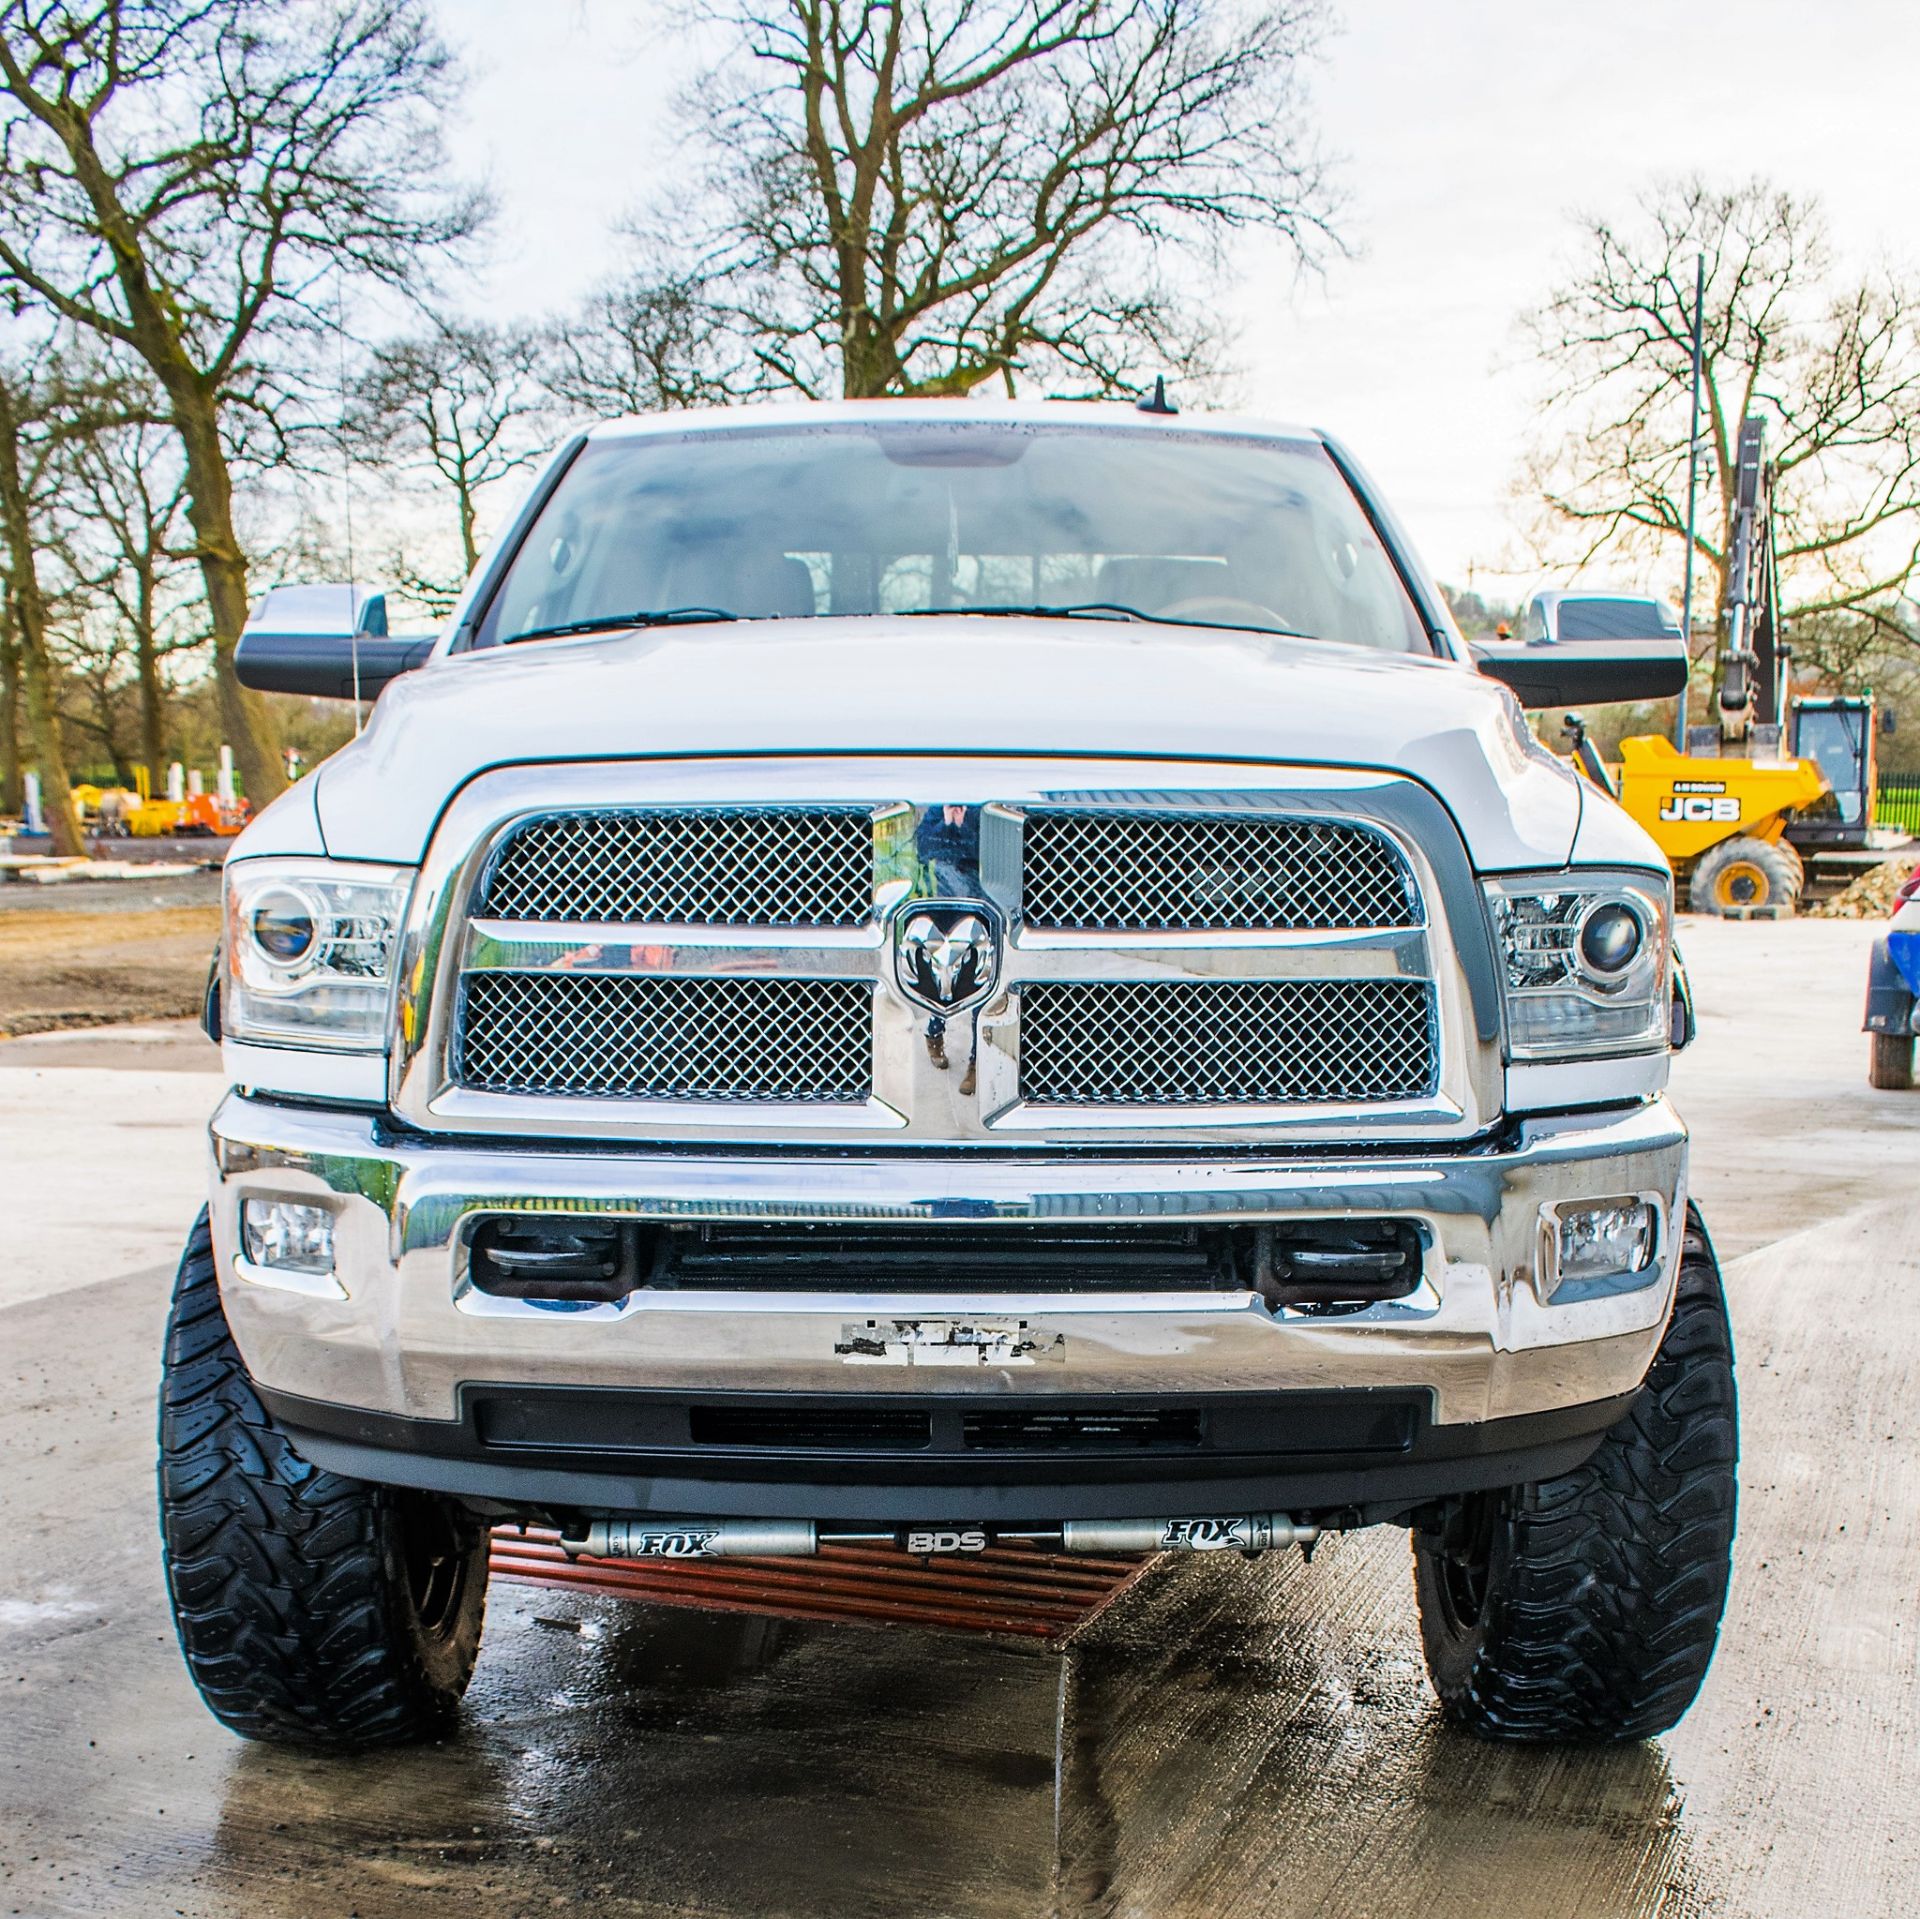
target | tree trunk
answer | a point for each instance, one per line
(469, 524)
(245, 716)
(29, 611)
(10, 791)
(869, 363)
(49, 747)
(107, 719)
(153, 711)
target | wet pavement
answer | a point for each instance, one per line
(1244, 1738)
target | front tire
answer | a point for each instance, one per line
(1746, 875)
(313, 1610)
(1586, 1607)
(1890, 1065)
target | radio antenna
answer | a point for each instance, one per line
(346, 495)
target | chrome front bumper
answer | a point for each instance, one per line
(398, 1331)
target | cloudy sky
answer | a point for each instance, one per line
(1467, 132)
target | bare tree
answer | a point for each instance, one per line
(1833, 360)
(128, 544)
(179, 177)
(95, 682)
(40, 415)
(921, 196)
(461, 401)
(639, 344)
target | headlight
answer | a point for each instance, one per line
(1585, 961)
(309, 948)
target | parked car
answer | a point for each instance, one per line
(1893, 993)
(959, 974)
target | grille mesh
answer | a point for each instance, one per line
(790, 866)
(704, 1039)
(1147, 872)
(1186, 1042)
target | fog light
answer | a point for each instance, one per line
(289, 1237)
(1600, 1240)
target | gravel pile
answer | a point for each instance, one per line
(1870, 897)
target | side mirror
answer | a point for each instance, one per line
(1590, 648)
(1889, 720)
(330, 642)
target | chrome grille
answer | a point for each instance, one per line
(719, 866)
(693, 1039)
(1195, 872)
(695, 953)
(1226, 1042)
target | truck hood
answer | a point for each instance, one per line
(949, 685)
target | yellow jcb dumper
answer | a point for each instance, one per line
(1722, 822)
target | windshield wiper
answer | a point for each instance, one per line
(1083, 610)
(1105, 610)
(612, 622)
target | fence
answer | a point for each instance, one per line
(1898, 801)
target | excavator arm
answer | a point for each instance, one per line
(1755, 662)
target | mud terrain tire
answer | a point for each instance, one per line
(313, 1610)
(1585, 1608)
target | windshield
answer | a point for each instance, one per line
(873, 518)
(1836, 739)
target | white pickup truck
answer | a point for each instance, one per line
(959, 974)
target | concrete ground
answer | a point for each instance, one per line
(1233, 1739)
